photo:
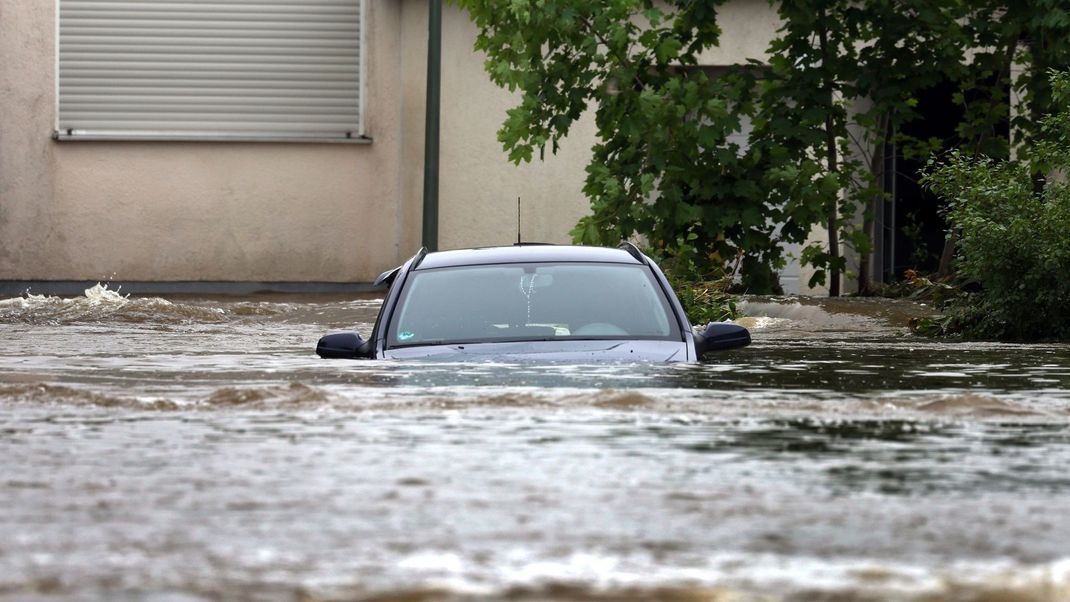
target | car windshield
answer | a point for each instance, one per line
(531, 302)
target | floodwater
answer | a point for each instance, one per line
(190, 450)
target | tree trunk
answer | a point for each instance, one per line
(863, 267)
(947, 255)
(833, 167)
(876, 169)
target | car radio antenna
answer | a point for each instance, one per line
(518, 219)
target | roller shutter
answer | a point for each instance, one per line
(210, 69)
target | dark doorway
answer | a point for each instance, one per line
(913, 227)
(919, 227)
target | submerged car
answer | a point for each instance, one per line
(532, 301)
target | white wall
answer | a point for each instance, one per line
(161, 211)
(478, 186)
(191, 211)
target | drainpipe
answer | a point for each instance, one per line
(431, 118)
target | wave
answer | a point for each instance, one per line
(866, 585)
(48, 394)
(919, 407)
(292, 395)
(841, 315)
(762, 322)
(594, 576)
(739, 576)
(811, 317)
(971, 404)
(100, 304)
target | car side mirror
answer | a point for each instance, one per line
(721, 335)
(347, 345)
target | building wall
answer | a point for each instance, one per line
(189, 210)
(478, 185)
(747, 27)
(162, 211)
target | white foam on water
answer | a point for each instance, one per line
(101, 294)
(762, 322)
(766, 574)
(99, 303)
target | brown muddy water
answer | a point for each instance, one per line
(190, 450)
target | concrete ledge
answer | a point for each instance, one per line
(74, 288)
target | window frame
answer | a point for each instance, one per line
(357, 136)
(675, 333)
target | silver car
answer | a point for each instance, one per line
(533, 302)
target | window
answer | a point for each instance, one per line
(531, 302)
(210, 70)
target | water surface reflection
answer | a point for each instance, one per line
(198, 450)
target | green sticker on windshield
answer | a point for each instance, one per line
(405, 335)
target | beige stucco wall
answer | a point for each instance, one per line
(192, 211)
(27, 98)
(161, 211)
(747, 27)
(478, 185)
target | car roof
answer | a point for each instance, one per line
(525, 253)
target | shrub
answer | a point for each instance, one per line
(1013, 220)
(704, 295)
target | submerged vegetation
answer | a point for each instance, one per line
(704, 300)
(1012, 219)
(705, 295)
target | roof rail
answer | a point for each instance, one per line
(418, 258)
(632, 250)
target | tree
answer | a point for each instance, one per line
(1014, 247)
(842, 78)
(664, 165)
(1032, 36)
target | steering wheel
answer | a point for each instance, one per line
(600, 329)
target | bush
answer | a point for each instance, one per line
(704, 301)
(704, 295)
(1013, 220)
